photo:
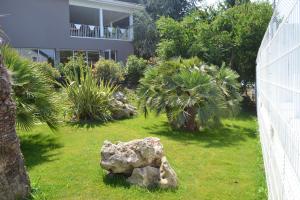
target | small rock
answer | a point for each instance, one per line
(122, 110)
(144, 177)
(168, 177)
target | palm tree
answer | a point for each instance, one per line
(191, 93)
(13, 177)
(32, 91)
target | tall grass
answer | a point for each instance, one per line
(89, 99)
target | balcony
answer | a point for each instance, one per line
(91, 31)
(99, 23)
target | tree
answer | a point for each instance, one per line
(232, 3)
(14, 180)
(234, 37)
(135, 69)
(145, 35)
(174, 39)
(175, 9)
(191, 93)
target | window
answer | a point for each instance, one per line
(93, 57)
(31, 54)
(46, 55)
(113, 55)
(107, 54)
(110, 54)
(65, 55)
(38, 55)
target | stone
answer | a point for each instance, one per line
(145, 177)
(121, 110)
(120, 96)
(14, 181)
(123, 157)
(141, 161)
(168, 177)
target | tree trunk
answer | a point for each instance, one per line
(191, 124)
(14, 182)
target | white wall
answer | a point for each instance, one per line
(278, 105)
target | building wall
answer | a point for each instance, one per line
(45, 24)
(278, 101)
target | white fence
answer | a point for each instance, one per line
(278, 101)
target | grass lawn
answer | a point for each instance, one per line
(219, 164)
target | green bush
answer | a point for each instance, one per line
(74, 65)
(108, 71)
(52, 74)
(190, 92)
(35, 98)
(135, 68)
(89, 99)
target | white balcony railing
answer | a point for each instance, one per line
(89, 31)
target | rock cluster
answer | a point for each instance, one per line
(142, 161)
(14, 182)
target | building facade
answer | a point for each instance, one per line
(53, 30)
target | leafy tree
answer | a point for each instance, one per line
(234, 37)
(231, 3)
(145, 35)
(175, 9)
(191, 93)
(32, 91)
(174, 38)
(135, 68)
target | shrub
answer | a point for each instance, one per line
(108, 71)
(89, 99)
(74, 65)
(135, 68)
(35, 98)
(190, 92)
(52, 74)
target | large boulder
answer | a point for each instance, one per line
(142, 161)
(123, 157)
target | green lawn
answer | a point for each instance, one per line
(219, 164)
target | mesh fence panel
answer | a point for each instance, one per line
(278, 100)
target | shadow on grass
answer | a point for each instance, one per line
(92, 124)
(116, 180)
(119, 180)
(38, 148)
(227, 134)
(86, 124)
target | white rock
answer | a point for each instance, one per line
(125, 156)
(144, 177)
(168, 177)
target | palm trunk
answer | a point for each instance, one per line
(14, 182)
(191, 124)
